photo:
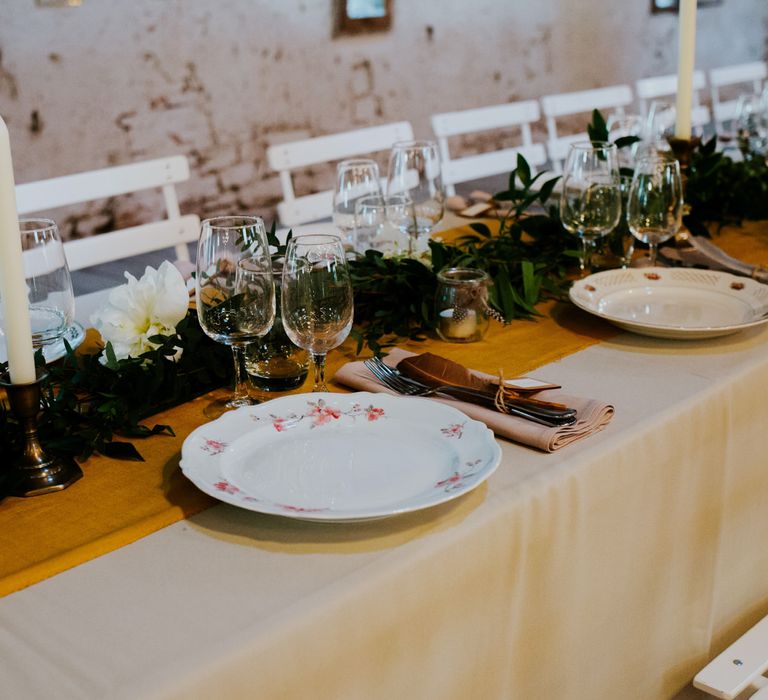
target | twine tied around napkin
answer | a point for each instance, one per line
(594, 415)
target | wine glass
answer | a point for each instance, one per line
(655, 205)
(752, 123)
(414, 171)
(235, 292)
(659, 127)
(621, 126)
(354, 179)
(51, 299)
(590, 199)
(374, 216)
(316, 296)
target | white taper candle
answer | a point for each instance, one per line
(13, 288)
(685, 63)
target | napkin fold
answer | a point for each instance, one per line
(593, 415)
(701, 252)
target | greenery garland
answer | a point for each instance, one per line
(526, 259)
(87, 401)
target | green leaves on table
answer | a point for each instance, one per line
(526, 261)
(87, 403)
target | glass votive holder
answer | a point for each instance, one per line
(461, 304)
(273, 362)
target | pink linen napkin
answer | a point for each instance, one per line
(593, 415)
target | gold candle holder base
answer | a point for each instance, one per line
(683, 150)
(34, 472)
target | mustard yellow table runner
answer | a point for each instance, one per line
(118, 502)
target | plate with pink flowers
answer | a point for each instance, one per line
(340, 457)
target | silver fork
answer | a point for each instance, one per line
(395, 380)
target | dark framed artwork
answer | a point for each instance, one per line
(361, 16)
(672, 5)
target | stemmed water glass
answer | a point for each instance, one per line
(51, 299)
(752, 123)
(590, 199)
(622, 126)
(374, 216)
(316, 297)
(414, 171)
(355, 179)
(660, 124)
(235, 292)
(655, 205)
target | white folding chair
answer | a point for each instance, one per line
(173, 231)
(614, 98)
(662, 86)
(286, 157)
(744, 74)
(517, 115)
(739, 668)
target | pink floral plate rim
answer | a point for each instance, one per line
(432, 453)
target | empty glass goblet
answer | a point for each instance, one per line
(621, 126)
(414, 171)
(655, 204)
(752, 124)
(51, 299)
(377, 220)
(355, 179)
(659, 127)
(235, 292)
(590, 199)
(316, 297)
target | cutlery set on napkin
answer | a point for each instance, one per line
(527, 411)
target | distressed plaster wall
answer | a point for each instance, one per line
(114, 81)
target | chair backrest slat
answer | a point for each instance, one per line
(613, 97)
(518, 115)
(752, 74)
(134, 240)
(161, 173)
(666, 86)
(723, 678)
(286, 157)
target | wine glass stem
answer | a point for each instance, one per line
(318, 361)
(241, 386)
(652, 249)
(585, 262)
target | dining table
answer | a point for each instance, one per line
(615, 567)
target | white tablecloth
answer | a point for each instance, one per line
(614, 568)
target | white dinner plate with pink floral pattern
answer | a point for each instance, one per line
(340, 457)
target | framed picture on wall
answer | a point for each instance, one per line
(673, 5)
(360, 16)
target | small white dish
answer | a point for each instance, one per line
(74, 335)
(340, 457)
(680, 303)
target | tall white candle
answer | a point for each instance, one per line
(685, 62)
(13, 288)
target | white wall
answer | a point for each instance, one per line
(113, 81)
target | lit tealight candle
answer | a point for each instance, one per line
(13, 288)
(462, 328)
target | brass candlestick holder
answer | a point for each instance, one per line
(682, 150)
(34, 472)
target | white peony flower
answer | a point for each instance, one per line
(139, 309)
